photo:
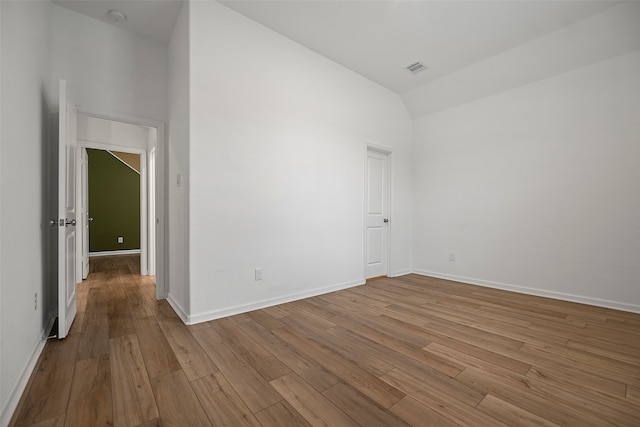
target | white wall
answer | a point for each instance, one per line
(538, 188)
(26, 28)
(276, 162)
(178, 166)
(109, 70)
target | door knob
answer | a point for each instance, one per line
(71, 222)
(90, 219)
(386, 220)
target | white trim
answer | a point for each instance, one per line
(143, 193)
(144, 217)
(151, 233)
(401, 273)
(10, 405)
(257, 305)
(178, 309)
(162, 267)
(109, 253)
(616, 305)
(377, 147)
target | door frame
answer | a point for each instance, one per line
(82, 201)
(144, 197)
(151, 214)
(161, 206)
(387, 151)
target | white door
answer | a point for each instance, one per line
(66, 212)
(376, 213)
(83, 210)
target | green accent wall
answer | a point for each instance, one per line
(114, 203)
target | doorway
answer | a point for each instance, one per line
(376, 245)
(126, 136)
(112, 220)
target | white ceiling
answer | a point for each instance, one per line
(151, 18)
(378, 38)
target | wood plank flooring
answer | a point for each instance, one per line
(410, 350)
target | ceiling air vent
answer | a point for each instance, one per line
(415, 67)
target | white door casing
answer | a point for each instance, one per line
(83, 210)
(66, 212)
(376, 213)
(151, 249)
(144, 215)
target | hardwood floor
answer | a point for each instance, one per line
(404, 351)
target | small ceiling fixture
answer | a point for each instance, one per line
(416, 67)
(116, 16)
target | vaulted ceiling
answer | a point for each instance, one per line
(378, 38)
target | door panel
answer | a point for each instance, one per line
(375, 240)
(66, 212)
(376, 215)
(376, 180)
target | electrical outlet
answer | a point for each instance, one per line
(120, 239)
(258, 274)
(35, 301)
(452, 257)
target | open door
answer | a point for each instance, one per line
(66, 212)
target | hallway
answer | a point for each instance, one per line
(117, 313)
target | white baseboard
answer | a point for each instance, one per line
(10, 405)
(109, 253)
(401, 273)
(257, 305)
(182, 314)
(616, 305)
